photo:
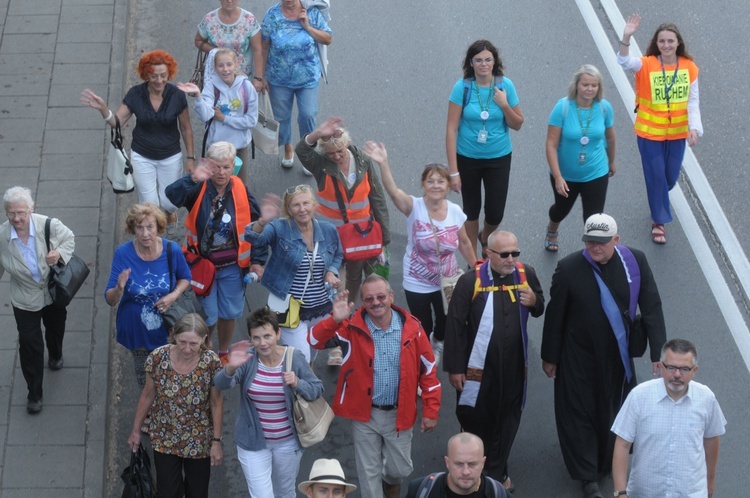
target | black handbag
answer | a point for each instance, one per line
(186, 303)
(137, 476)
(65, 279)
(638, 339)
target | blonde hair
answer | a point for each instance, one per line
(190, 322)
(139, 211)
(291, 193)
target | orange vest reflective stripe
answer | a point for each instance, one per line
(656, 121)
(357, 208)
(241, 220)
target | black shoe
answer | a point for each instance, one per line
(55, 364)
(34, 407)
(591, 490)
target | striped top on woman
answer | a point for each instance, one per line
(267, 394)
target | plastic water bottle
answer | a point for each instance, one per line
(332, 292)
(250, 278)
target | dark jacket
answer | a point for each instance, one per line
(489, 488)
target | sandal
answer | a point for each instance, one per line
(658, 234)
(549, 244)
(507, 484)
(483, 244)
(335, 357)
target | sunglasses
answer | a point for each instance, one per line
(298, 188)
(379, 297)
(505, 254)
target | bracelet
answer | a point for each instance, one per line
(623, 43)
(453, 175)
(216, 439)
(256, 78)
(109, 116)
(191, 157)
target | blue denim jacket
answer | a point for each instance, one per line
(288, 249)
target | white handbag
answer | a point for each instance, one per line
(266, 131)
(311, 418)
(119, 168)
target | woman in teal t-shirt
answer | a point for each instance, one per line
(580, 150)
(483, 108)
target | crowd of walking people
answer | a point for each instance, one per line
(320, 249)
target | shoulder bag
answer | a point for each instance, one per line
(287, 309)
(119, 168)
(360, 241)
(266, 131)
(311, 418)
(137, 477)
(186, 302)
(447, 284)
(200, 66)
(65, 279)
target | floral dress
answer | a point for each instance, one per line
(235, 36)
(181, 422)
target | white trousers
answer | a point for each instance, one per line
(272, 473)
(152, 176)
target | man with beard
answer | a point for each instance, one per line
(675, 424)
(586, 342)
(486, 347)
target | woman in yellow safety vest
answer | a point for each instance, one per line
(668, 113)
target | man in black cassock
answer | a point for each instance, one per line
(581, 350)
(486, 348)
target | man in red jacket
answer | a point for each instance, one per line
(386, 356)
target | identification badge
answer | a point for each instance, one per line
(581, 158)
(482, 137)
(584, 140)
(226, 218)
(484, 115)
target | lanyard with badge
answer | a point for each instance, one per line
(584, 132)
(485, 112)
(668, 88)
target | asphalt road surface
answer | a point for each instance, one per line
(392, 66)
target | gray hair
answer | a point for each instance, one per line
(591, 70)
(18, 194)
(680, 346)
(221, 151)
(374, 277)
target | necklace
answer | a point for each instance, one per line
(668, 88)
(584, 131)
(485, 109)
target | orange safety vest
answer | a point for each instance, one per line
(654, 120)
(242, 220)
(357, 207)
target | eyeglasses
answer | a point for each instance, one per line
(478, 61)
(20, 214)
(371, 299)
(505, 254)
(298, 188)
(674, 368)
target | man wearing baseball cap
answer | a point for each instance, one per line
(589, 340)
(327, 480)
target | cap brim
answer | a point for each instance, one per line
(595, 238)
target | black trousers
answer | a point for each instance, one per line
(170, 482)
(31, 344)
(422, 306)
(593, 194)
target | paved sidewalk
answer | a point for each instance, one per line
(49, 51)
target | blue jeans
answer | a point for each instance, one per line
(662, 162)
(282, 100)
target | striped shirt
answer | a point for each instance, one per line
(387, 360)
(267, 394)
(315, 294)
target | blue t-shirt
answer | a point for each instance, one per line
(498, 136)
(156, 135)
(139, 324)
(293, 60)
(597, 162)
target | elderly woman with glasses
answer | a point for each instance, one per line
(305, 258)
(24, 255)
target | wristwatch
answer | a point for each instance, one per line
(220, 439)
(258, 79)
(620, 493)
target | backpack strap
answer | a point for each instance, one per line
(47, 224)
(425, 487)
(498, 488)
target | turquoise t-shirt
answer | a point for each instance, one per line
(597, 163)
(498, 136)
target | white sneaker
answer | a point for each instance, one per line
(437, 348)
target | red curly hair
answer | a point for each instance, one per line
(154, 58)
